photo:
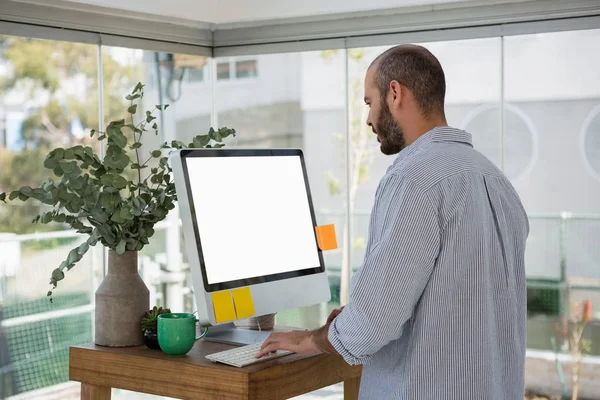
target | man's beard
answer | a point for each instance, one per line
(389, 132)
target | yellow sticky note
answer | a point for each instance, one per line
(242, 298)
(223, 306)
(326, 237)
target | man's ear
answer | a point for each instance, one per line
(395, 94)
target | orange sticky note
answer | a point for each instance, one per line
(242, 300)
(223, 306)
(326, 237)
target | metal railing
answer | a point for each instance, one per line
(554, 234)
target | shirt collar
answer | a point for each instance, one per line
(437, 134)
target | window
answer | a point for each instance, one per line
(590, 142)
(235, 68)
(196, 75)
(245, 69)
(49, 98)
(520, 138)
(294, 106)
(223, 70)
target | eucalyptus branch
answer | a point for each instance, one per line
(137, 154)
(89, 188)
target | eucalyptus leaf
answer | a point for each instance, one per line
(86, 191)
(201, 141)
(73, 257)
(121, 247)
(120, 182)
(58, 275)
(119, 139)
(50, 162)
(69, 154)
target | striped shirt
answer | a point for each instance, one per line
(438, 308)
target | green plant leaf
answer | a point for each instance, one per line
(73, 257)
(215, 135)
(83, 248)
(67, 166)
(136, 145)
(92, 132)
(132, 97)
(69, 154)
(50, 162)
(156, 153)
(122, 161)
(58, 275)
(137, 88)
(120, 140)
(46, 217)
(121, 247)
(99, 215)
(3, 197)
(116, 217)
(132, 109)
(120, 182)
(201, 141)
(107, 180)
(106, 233)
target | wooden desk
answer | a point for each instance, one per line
(194, 377)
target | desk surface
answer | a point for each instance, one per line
(192, 376)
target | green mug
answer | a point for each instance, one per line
(177, 333)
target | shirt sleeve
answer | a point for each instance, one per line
(394, 273)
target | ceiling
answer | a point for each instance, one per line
(233, 13)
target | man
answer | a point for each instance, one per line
(438, 308)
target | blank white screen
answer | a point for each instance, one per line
(253, 216)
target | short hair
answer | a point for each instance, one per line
(416, 68)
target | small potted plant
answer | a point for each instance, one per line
(150, 326)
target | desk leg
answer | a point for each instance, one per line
(93, 392)
(351, 387)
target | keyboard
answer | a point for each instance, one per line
(244, 355)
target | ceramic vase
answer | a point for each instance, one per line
(121, 300)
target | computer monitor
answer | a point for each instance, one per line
(248, 224)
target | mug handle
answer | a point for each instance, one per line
(203, 333)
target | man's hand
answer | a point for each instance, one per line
(299, 342)
(334, 314)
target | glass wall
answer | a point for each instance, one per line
(532, 104)
(294, 100)
(48, 98)
(473, 88)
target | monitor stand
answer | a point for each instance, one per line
(231, 334)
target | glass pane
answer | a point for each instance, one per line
(189, 114)
(472, 98)
(245, 69)
(223, 70)
(297, 101)
(48, 99)
(552, 80)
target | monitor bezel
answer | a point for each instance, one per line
(214, 287)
